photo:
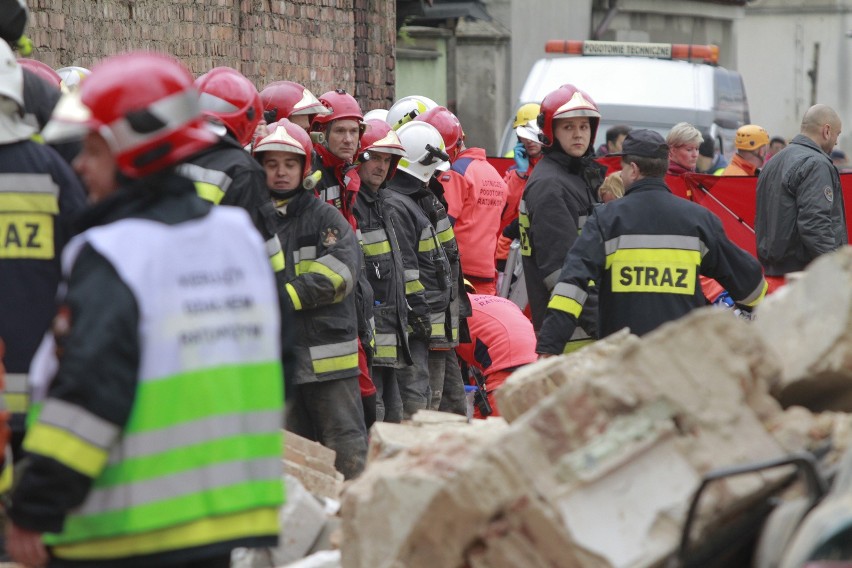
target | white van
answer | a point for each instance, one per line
(643, 85)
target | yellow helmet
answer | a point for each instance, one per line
(526, 113)
(751, 137)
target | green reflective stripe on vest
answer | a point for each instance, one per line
(209, 192)
(386, 347)
(524, 227)
(413, 287)
(266, 493)
(330, 267)
(16, 396)
(376, 249)
(241, 388)
(438, 325)
(275, 254)
(563, 304)
(294, 296)
(757, 295)
(445, 230)
(335, 357)
(208, 530)
(30, 202)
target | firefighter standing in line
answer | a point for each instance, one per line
(39, 198)
(393, 275)
(445, 380)
(752, 143)
(559, 195)
(164, 362)
(322, 260)
(424, 151)
(646, 252)
(333, 157)
(286, 99)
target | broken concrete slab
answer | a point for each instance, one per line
(809, 325)
(673, 406)
(534, 382)
(313, 465)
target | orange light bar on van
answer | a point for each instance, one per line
(706, 53)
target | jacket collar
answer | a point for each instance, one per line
(405, 183)
(803, 140)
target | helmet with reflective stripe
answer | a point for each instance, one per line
(448, 125)
(227, 96)
(283, 99)
(751, 137)
(284, 136)
(567, 102)
(44, 71)
(526, 113)
(379, 137)
(341, 106)
(146, 108)
(424, 149)
(407, 108)
(72, 77)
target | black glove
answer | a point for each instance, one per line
(421, 326)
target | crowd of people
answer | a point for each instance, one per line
(178, 253)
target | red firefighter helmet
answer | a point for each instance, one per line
(341, 105)
(448, 125)
(565, 102)
(380, 137)
(227, 96)
(42, 70)
(283, 99)
(284, 136)
(145, 106)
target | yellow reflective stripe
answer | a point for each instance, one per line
(572, 346)
(198, 533)
(665, 271)
(413, 287)
(340, 363)
(426, 245)
(294, 296)
(66, 448)
(386, 351)
(26, 235)
(446, 235)
(16, 402)
(31, 202)
(437, 329)
(755, 297)
(277, 261)
(376, 249)
(6, 477)
(564, 304)
(524, 228)
(209, 192)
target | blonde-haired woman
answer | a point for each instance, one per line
(683, 140)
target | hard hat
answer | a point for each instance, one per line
(566, 102)
(341, 106)
(379, 137)
(529, 131)
(285, 136)
(379, 113)
(12, 126)
(424, 149)
(43, 70)
(146, 108)
(283, 99)
(72, 77)
(227, 96)
(526, 113)
(448, 125)
(407, 108)
(750, 137)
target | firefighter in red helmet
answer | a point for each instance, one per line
(286, 99)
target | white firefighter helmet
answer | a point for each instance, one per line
(424, 149)
(407, 109)
(377, 113)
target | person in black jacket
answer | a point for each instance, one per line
(646, 252)
(560, 194)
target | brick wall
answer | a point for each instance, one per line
(323, 44)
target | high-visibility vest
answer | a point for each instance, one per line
(198, 461)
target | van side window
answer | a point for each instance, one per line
(730, 99)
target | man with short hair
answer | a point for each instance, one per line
(752, 143)
(615, 136)
(646, 251)
(800, 213)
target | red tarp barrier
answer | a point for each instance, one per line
(732, 199)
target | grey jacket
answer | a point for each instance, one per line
(800, 213)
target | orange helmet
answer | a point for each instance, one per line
(448, 125)
(227, 96)
(145, 106)
(751, 137)
(283, 99)
(565, 102)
